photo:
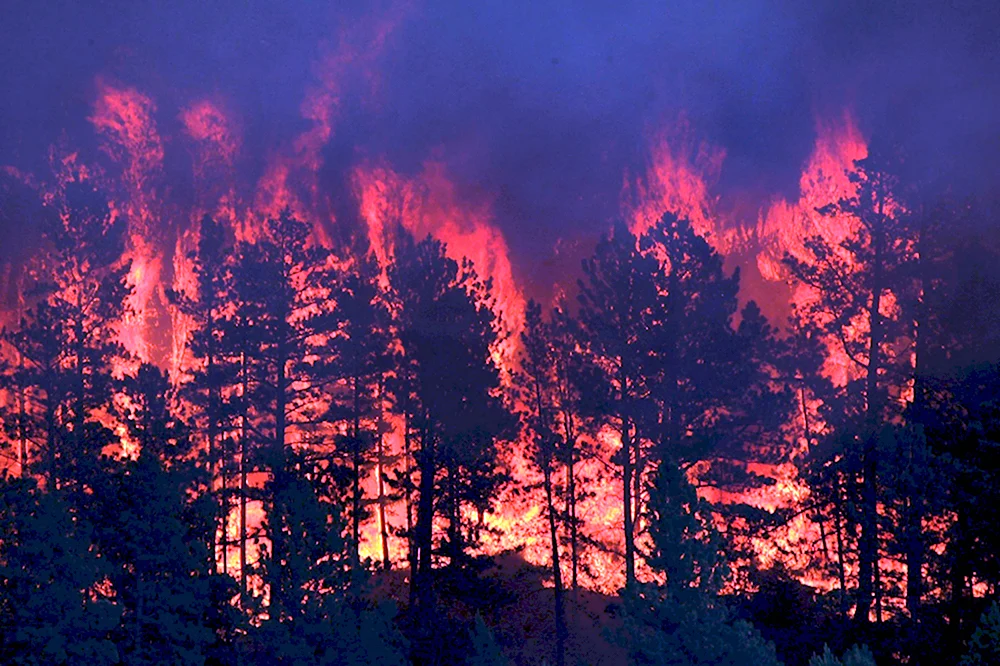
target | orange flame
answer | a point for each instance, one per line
(124, 116)
(429, 205)
(679, 180)
(785, 226)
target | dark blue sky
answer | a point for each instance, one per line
(543, 104)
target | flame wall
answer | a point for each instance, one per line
(516, 141)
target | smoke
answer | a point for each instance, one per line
(543, 109)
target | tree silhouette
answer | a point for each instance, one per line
(152, 535)
(64, 347)
(538, 386)
(720, 397)
(447, 333)
(856, 282)
(213, 371)
(281, 286)
(358, 356)
(49, 574)
(682, 621)
(617, 299)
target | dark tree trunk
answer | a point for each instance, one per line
(626, 453)
(422, 589)
(425, 515)
(841, 569)
(244, 453)
(557, 584)
(383, 526)
(570, 502)
(626, 435)
(356, 480)
(914, 506)
(411, 534)
(868, 555)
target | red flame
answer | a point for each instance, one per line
(429, 205)
(680, 179)
(124, 116)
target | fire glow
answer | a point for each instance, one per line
(680, 180)
(207, 135)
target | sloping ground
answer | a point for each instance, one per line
(515, 601)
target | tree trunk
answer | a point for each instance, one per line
(52, 442)
(868, 555)
(626, 452)
(626, 435)
(380, 473)
(914, 506)
(960, 560)
(556, 570)
(570, 431)
(841, 569)
(280, 474)
(356, 480)
(22, 436)
(221, 539)
(422, 589)
(425, 516)
(411, 536)
(244, 452)
(914, 550)
(214, 457)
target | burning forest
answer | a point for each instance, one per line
(432, 334)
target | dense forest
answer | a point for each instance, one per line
(217, 516)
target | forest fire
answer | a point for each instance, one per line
(391, 329)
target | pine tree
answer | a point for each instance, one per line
(683, 621)
(358, 356)
(213, 370)
(485, 649)
(720, 398)
(681, 381)
(855, 282)
(573, 377)
(447, 333)
(313, 575)
(856, 656)
(160, 577)
(280, 288)
(617, 298)
(63, 349)
(152, 514)
(539, 393)
(984, 646)
(956, 394)
(52, 609)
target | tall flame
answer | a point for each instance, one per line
(428, 204)
(680, 178)
(681, 174)
(124, 116)
(292, 179)
(785, 226)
